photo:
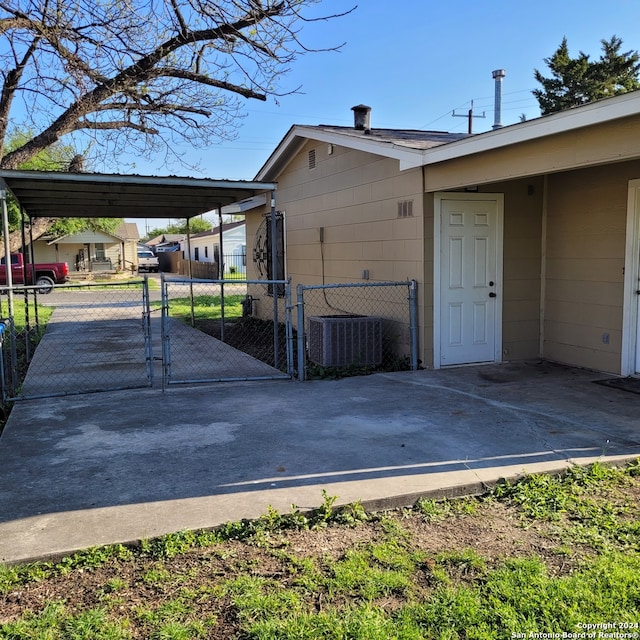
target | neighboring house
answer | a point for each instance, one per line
(205, 246)
(90, 251)
(525, 240)
(165, 242)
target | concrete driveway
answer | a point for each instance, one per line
(119, 466)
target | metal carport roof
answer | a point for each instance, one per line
(95, 195)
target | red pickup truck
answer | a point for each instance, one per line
(43, 275)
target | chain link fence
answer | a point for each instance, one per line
(210, 332)
(89, 337)
(356, 328)
(99, 337)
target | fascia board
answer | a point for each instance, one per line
(245, 205)
(570, 120)
(298, 134)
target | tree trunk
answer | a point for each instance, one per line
(39, 226)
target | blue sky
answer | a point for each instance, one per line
(414, 62)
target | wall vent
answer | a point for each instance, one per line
(405, 209)
(312, 159)
(341, 340)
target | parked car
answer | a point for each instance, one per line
(147, 261)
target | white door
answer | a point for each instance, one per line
(637, 367)
(470, 279)
(636, 301)
(630, 355)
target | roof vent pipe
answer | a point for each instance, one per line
(361, 117)
(498, 74)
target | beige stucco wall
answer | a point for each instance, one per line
(608, 142)
(353, 197)
(585, 252)
(564, 235)
(521, 269)
(522, 247)
(350, 200)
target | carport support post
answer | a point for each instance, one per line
(274, 277)
(193, 313)
(9, 277)
(221, 273)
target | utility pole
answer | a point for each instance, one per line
(469, 115)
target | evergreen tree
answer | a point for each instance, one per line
(577, 81)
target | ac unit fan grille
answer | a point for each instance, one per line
(342, 340)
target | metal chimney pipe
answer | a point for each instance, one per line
(361, 117)
(498, 74)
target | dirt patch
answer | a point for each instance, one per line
(138, 589)
(251, 335)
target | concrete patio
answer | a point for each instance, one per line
(119, 466)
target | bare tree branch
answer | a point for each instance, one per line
(141, 70)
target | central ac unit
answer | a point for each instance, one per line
(341, 340)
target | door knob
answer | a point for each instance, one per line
(492, 295)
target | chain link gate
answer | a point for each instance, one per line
(355, 328)
(210, 332)
(77, 339)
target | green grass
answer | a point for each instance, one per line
(28, 334)
(294, 576)
(206, 307)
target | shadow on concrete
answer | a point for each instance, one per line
(83, 470)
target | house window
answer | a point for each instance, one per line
(216, 253)
(206, 252)
(405, 209)
(312, 159)
(100, 254)
(196, 254)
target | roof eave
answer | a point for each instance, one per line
(298, 134)
(599, 112)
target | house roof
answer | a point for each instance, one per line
(128, 231)
(406, 145)
(94, 195)
(166, 238)
(419, 148)
(229, 226)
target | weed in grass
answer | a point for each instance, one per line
(466, 562)
(539, 497)
(430, 508)
(156, 575)
(305, 574)
(10, 577)
(258, 598)
(351, 514)
(169, 545)
(114, 585)
(365, 622)
(434, 509)
(359, 574)
(392, 527)
(584, 504)
(180, 631)
(54, 622)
